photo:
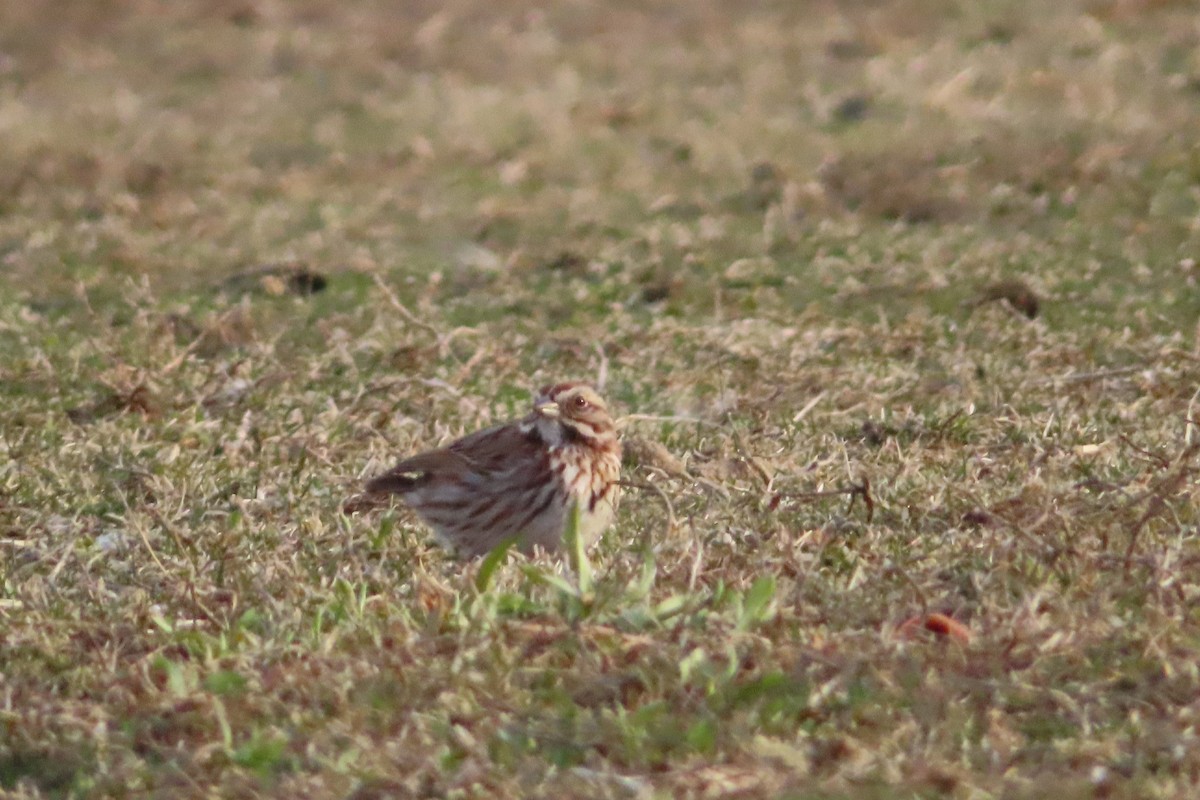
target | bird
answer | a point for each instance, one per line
(521, 480)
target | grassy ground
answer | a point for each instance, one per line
(942, 252)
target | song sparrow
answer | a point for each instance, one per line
(520, 479)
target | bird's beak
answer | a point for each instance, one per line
(547, 410)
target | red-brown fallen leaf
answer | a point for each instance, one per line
(938, 624)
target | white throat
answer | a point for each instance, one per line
(550, 430)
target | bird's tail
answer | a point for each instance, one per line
(394, 483)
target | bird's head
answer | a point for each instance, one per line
(572, 412)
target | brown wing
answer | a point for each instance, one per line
(469, 460)
(412, 472)
(497, 449)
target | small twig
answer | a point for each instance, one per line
(395, 303)
(671, 523)
(775, 498)
(940, 430)
(712, 486)
(1097, 485)
(602, 371)
(387, 384)
(1053, 550)
(922, 598)
(868, 501)
(697, 564)
(1084, 377)
(759, 470)
(1184, 354)
(1162, 462)
(67, 551)
(1166, 485)
(443, 339)
(1190, 424)
(150, 549)
(1153, 509)
(183, 356)
(1172, 480)
(859, 490)
(809, 406)
(187, 551)
(621, 422)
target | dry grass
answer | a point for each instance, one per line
(251, 252)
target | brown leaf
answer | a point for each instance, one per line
(649, 453)
(1014, 292)
(275, 280)
(138, 399)
(940, 625)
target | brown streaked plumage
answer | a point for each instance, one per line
(521, 478)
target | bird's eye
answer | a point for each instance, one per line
(581, 401)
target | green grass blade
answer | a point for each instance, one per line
(577, 552)
(756, 606)
(492, 561)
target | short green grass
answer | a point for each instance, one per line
(800, 241)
